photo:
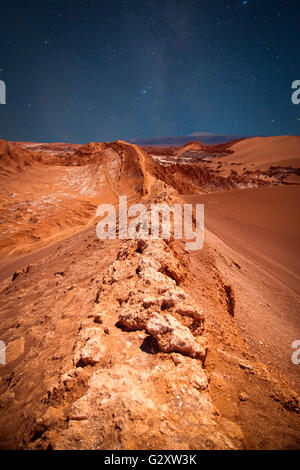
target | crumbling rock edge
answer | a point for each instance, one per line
(135, 400)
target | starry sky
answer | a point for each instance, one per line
(94, 70)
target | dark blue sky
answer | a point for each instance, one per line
(81, 71)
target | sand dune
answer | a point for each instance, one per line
(264, 152)
(261, 223)
(259, 229)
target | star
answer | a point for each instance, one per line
(146, 89)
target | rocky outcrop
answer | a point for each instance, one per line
(171, 336)
(165, 407)
(107, 341)
(150, 392)
(88, 349)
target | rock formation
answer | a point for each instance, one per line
(130, 344)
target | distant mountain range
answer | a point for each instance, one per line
(204, 137)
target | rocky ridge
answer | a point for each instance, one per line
(119, 408)
(122, 355)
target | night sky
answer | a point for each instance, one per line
(79, 71)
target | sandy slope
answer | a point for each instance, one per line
(50, 191)
(266, 151)
(262, 224)
(261, 228)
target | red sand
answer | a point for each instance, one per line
(244, 284)
(266, 151)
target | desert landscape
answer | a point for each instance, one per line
(141, 344)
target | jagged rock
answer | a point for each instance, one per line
(167, 302)
(244, 365)
(171, 336)
(187, 310)
(172, 297)
(200, 382)
(50, 417)
(162, 260)
(67, 381)
(118, 271)
(91, 353)
(243, 396)
(149, 301)
(150, 276)
(120, 410)
(88, 350)
(171, 268)
(146, 263)
(133, 319)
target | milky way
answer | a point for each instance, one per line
(83, 71)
